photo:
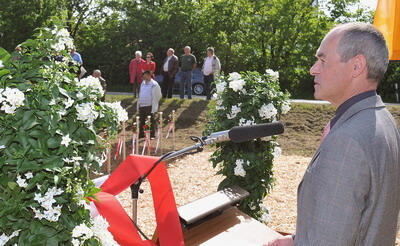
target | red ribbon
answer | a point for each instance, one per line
(121, 226)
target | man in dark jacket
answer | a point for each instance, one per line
(169, 69)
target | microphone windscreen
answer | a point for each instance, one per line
(240, 134)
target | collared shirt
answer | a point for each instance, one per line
(146, 94)
(348, 103)
(77, 57)
(208, 68)
(165, 67)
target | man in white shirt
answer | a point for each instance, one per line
(169, 69)
(147, 104)
(211, 69)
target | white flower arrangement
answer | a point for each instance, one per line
(11, 99)
(244, 122)
(239, 170)
(1, 64)
(267, 111)
(277, 152)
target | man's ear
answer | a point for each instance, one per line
(359, 64)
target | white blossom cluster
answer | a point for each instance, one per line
(236, 84)
(91, 83)
(220, 87)
(277, 152)
(265, 217)
(46, 201)
(66, 140)
(234, 111)
(82, 232)
(267, 111)
(86, 112)
(4, 238)
(239, 170)
(116, 107)
(64, 40)
(11, 99)
(285, 107)
(1, 64)
(244, 122)
(22, 182)
(274, 75)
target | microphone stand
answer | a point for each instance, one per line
(135, 188)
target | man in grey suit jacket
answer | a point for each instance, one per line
(169, 69)
(350, 192)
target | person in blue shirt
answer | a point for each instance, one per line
(76, 56)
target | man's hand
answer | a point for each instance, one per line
(281, 241)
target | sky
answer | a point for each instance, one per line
(369, 3)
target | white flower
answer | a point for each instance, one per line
(1, 64)
(234, 111)
(82, 232)
(2, 146)
(86, 112)
(28, 175)
(69, 102)
(120, 112)
(75, 242)
(267, 111)
(220, 87)
(52, 102)
(234, 76)
(46, 201)
(91, 83)
(239, 170)
(285, 107)
(100, 230)
(277, 152)
(237, 85)
(21, 182)
(11, 98)
(4, 238)
(265, 217)
(80, 96)
(274, 75)
(244, 122)
(66, 140)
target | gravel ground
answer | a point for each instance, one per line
(193, 177)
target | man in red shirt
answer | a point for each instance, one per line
(135, 72)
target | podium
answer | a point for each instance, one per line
(232, 227)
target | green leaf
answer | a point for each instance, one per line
(12, 185)
(53, 142)
(4, 55)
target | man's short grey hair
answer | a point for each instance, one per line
(364, 39)
(172, 50)
(188, 47)
(138, 53)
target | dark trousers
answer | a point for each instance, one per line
(167, 85)
(143, 113)
(208, 82)
(186, 82)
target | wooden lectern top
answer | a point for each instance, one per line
(232, 227)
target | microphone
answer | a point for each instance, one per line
(239, 134)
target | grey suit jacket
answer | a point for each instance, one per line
(350, 192)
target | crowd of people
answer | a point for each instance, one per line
(142, 77)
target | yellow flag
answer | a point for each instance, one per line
(387, 20)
